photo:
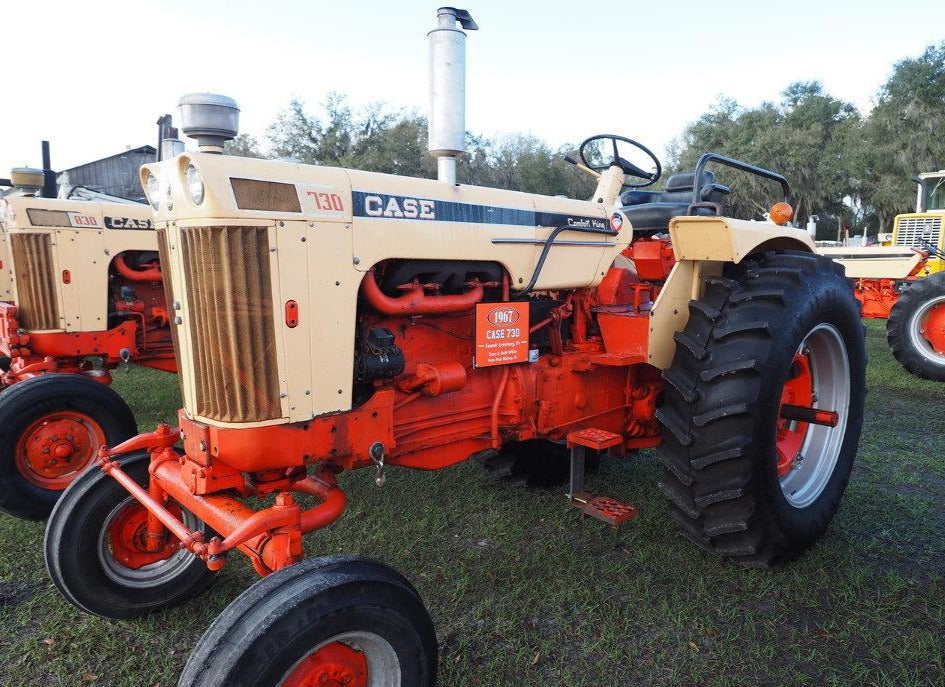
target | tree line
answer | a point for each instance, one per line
(845, 167)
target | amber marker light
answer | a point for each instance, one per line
(781, 213)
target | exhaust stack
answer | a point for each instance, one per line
(447, 126)
(210, 118)
(169, 145)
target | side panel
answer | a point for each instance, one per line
(671, 310)
(6, 288)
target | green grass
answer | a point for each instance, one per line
(524, 591)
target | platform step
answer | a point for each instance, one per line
(597, 439)
(605, 508)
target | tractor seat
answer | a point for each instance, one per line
(652, 211)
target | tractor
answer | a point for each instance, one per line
(923, 228)
(329, 319)
(905, 283)
(85, 296)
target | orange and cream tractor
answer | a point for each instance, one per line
(905, 283)
(82, 295)
(329, 319)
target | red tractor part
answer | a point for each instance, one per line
(57, 446)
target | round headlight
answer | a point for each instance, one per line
(194, 184)
(152, 188)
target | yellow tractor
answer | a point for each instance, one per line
(923, 228)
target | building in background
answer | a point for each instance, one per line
(116, 175)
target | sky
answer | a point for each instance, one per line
(92, 77)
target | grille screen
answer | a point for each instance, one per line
(35, 277)
(165, 261)
(48, 218)
(231, 322)
(252, 194)
(916, 231)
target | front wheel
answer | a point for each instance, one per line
(763, 408)
(97, 554)
(324, 621)
(916, 328)
(51, 428)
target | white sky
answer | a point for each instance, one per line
(92, 77)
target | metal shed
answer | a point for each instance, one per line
(116, 175)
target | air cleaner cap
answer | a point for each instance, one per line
(210, 118)
(27, 179)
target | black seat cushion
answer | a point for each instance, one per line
(653, 210)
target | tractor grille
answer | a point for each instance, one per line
(165, 261)
(231, 323)
(35, 275)
(916, 231)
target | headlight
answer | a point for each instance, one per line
(152, 188)
(194, 184)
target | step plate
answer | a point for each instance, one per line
(605, 508)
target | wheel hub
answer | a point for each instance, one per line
(128, 535)
(812, 417)
(933, 328)
(798, 391)
(334, 665)
(56, 447)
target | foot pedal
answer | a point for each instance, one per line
(605, 508)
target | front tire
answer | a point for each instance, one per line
(96, 554)
(742, 481)
(51, 428)
(334, 620)
(915, 329)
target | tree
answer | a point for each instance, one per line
(804, 137)
(905, 134)
(243, 145)
(378, 139)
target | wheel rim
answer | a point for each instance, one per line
(819, 380)
(927, 330)
(122, 548)
(56, 447)
(351, 659)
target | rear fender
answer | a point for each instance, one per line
(703, 246)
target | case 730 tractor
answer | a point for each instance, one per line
(905, 283)
(329, 319)
(85, 296)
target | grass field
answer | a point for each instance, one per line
(525, 592)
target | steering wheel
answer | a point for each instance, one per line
(626, 166)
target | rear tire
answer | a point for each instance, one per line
(915, 329)
(95, 529)
(742, 482)
(331, 618)
(68, 413)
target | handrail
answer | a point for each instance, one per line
(736, 164)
